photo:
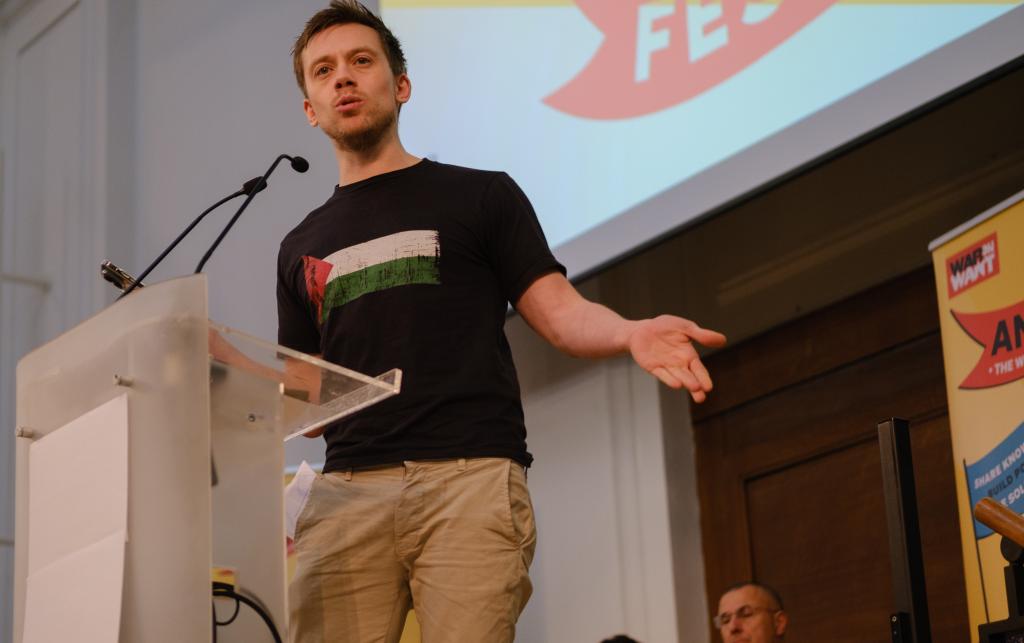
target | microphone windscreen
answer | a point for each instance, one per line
(299, 164)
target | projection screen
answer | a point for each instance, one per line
(625, 120)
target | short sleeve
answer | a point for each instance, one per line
(517, 247)
(295, 326)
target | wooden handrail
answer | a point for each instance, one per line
(1000, 519)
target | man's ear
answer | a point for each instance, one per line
(310, 114)
(403, 89)
(781, 621)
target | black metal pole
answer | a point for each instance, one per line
(904, 532)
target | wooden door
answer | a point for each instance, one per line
(788, 464)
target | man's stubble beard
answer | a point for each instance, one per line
(367, 137)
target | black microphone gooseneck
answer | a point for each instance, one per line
(298, 163)
(252, 186)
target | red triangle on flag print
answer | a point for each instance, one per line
(316, 272)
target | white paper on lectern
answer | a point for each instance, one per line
(296, 494)
(78, 484)
(77, 528)
(78, 598)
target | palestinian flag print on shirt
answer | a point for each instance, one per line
(401, 259)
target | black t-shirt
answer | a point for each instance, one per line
(414, 269)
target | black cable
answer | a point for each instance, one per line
(225, 590)
(145, 273)
(299, 164)
(231, 620)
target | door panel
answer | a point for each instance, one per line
(789, 474)
(808, 535)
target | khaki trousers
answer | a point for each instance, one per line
(454, 538)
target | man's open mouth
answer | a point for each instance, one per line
(348, 102)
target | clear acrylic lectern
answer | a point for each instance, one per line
(207, 411)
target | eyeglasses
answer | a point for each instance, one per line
(743, 613)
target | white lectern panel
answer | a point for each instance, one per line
(190, 386)
(152, 345)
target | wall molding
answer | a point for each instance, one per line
(641, 480)
(10, 9)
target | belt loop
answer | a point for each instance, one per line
(348, 474)
(461, 465)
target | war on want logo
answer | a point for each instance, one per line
(973, 265)
(401, 259)
(1001, 335)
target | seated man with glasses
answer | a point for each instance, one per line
(751, 612)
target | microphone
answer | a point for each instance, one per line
(298, 164)
(250, 188)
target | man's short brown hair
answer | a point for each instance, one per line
(342, 12)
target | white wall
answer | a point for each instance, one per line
(217, 102)
(56, 221)
(604, 560)
(615, 493)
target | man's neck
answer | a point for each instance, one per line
(387, 157)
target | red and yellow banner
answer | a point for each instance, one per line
(979, 270)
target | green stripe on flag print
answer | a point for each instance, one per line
(381, 276)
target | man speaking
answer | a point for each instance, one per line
(412, 264)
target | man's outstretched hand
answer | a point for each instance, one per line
(663, 346)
